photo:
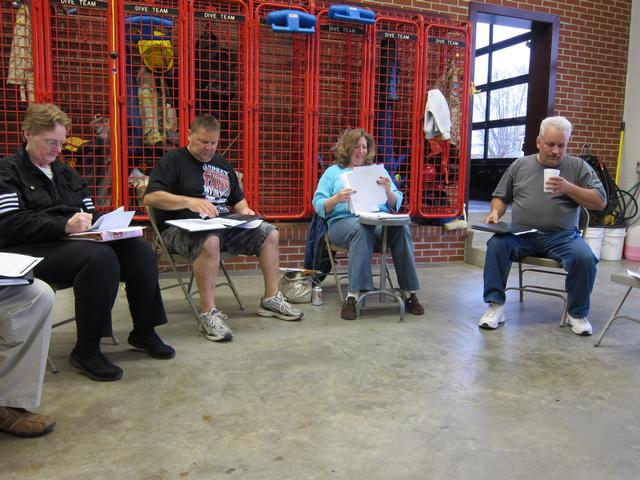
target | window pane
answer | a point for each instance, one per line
(477, 144)
(482, 34)
(506, 142)
(502, 33)
(510, 62)
(480, 70)
(509, 102)
(479, 107)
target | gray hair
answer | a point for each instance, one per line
(561, 123)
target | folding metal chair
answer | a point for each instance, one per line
(178, 262)
(630, 282)
(332, 249)
(52, 365)
(548, 266)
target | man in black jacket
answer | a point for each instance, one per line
(41, 202)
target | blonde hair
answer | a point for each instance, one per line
(42, 117)
(347, 142)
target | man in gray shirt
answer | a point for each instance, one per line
(554, 213)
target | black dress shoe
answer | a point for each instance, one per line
(152, 344)
(97, 367)
(348, 310)
(413, 305)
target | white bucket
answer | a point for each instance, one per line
(612, 243)
(594, 239)
(632, 244)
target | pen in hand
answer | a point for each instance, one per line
(79, 222)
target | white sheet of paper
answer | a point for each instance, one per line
(251, 224)
(368, 193)
(533, 230)
(376, 215)
(227, 222)
(633, 274)
(16, 265)
(197, 224)
(116, 219)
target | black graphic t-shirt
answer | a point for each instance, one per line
(180, 173)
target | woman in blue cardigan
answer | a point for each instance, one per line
(356, 148)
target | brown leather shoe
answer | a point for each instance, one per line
(348, 311)
(23, 423)
(412, 305)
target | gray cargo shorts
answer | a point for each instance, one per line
(236, 241)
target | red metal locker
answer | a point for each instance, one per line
(440, 182)
(18, 75)
(282, 103)
(218, 55)
(341, 84)
(151, 42)
(395, 87)
(78, 42)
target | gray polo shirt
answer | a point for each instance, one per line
(522, 185)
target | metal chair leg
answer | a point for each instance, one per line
(52, 365)
(520, 275)
(334, 269)
(612, 318)
(565, 312)
(231, 285)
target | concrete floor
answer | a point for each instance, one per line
(431, 398)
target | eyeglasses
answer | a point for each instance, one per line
(51, 143)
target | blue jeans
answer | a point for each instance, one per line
(566, 247)
(361, 240)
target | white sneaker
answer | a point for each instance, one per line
(493, 317)
(580, 326)
(279, 307)
(213, 327)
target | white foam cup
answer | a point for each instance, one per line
(549, 172)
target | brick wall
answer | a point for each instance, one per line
(592, 62)
(432, 244)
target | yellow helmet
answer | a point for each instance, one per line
(157, 55)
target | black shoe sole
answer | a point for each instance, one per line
(226, 338)
(583, 334)
(151, 353)
(75, 363)
(485, 326)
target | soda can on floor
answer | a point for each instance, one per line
(316, 296)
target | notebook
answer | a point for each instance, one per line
(503, 228)
(16, 269)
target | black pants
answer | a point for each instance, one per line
(95, 270)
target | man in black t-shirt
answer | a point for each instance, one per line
(195, 182)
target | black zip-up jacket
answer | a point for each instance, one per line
(34, 209)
